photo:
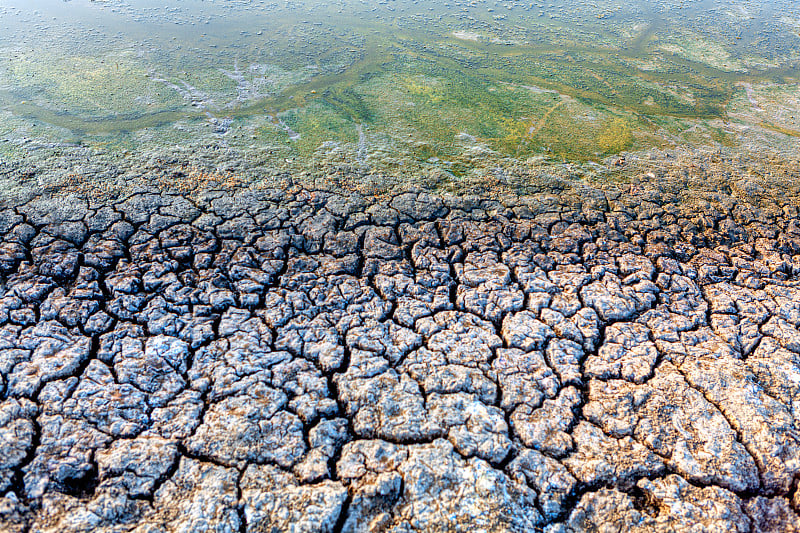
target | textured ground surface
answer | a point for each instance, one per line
(306, 362)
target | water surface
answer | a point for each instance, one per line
(397, 87)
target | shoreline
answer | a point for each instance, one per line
(768, 178)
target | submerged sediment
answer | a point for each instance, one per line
(271, 361)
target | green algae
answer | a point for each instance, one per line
(402, 86)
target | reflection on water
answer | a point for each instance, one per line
(398, 86)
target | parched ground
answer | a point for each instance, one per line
(267, 361)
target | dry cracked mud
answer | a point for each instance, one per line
(306, 361)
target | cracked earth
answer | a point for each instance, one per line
(266, 361)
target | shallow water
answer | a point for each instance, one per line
(397, 87)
